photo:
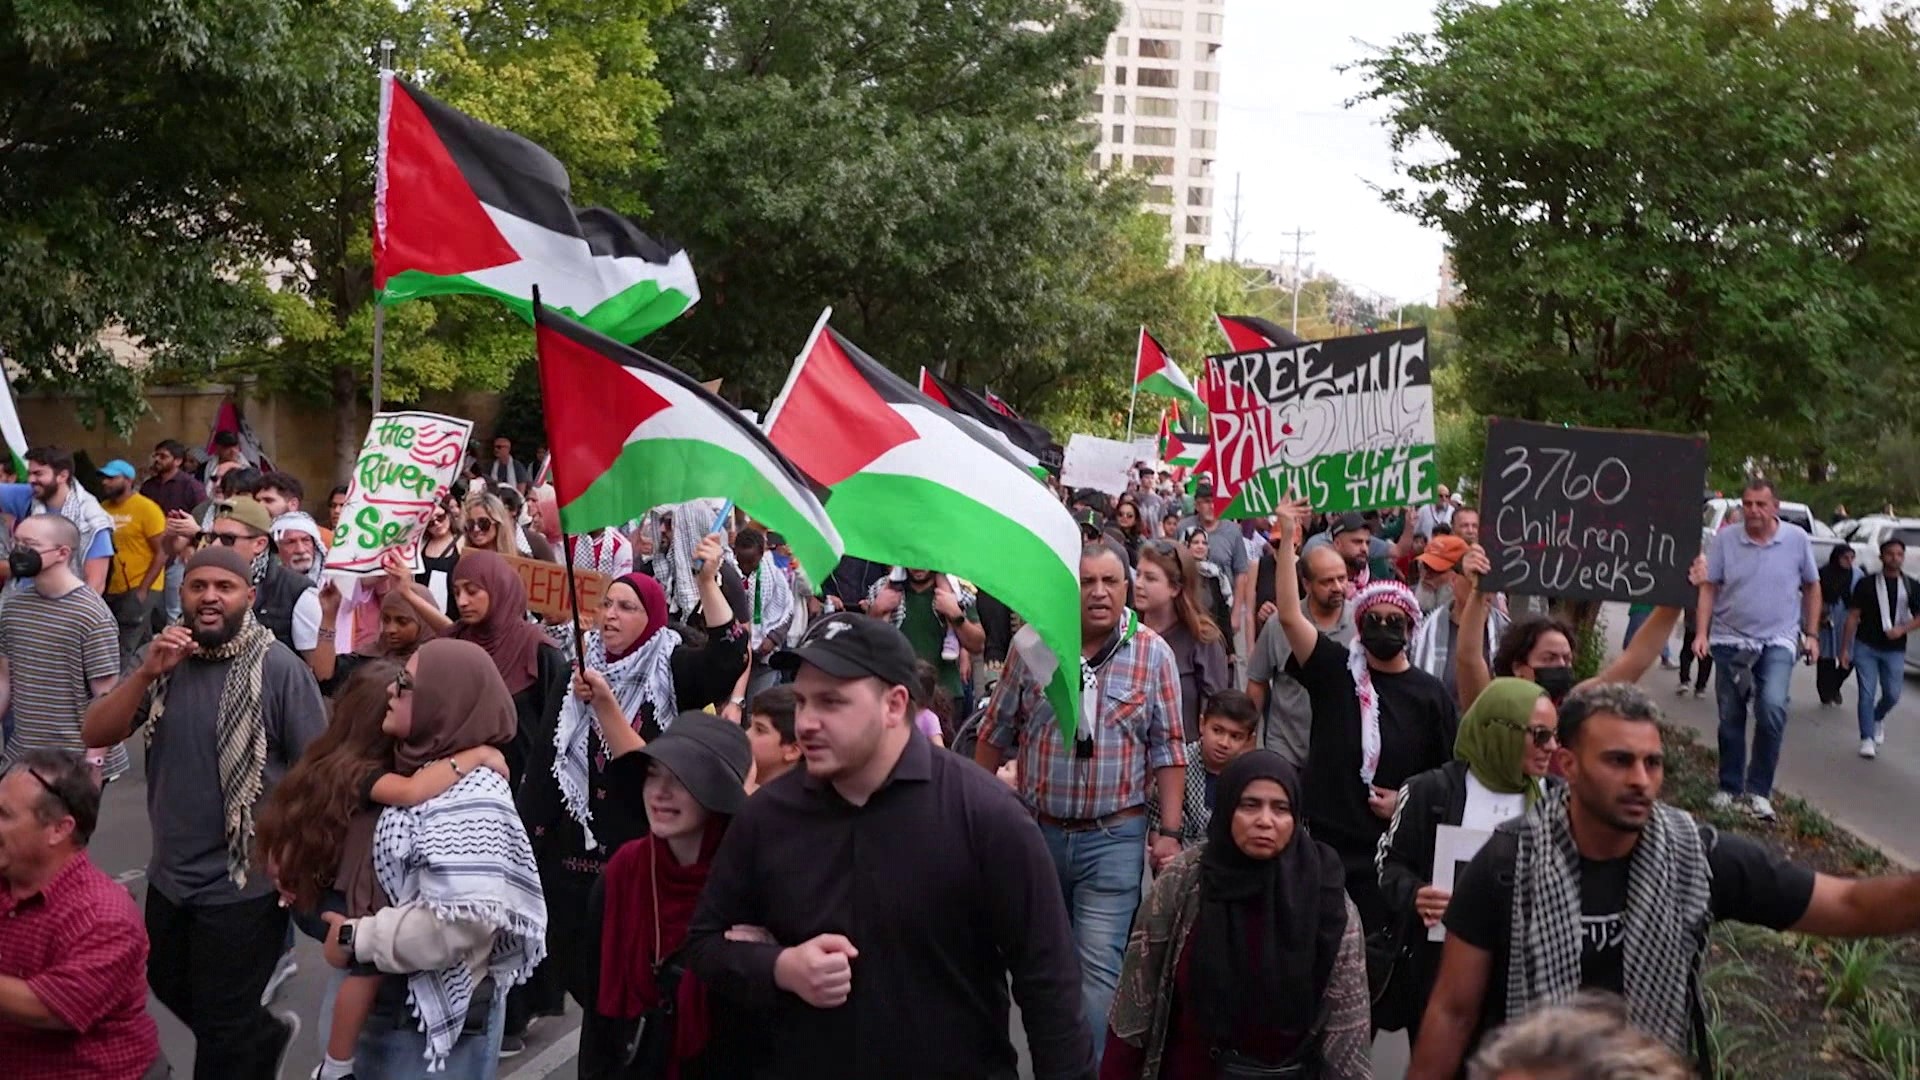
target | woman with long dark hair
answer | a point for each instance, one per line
(585, 796)
(1127, 527)
(1501, 760)
(1167, 593)
(1246, 955)
(1837, 579)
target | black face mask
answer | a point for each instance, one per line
(1383, 641)
(24, 563)
(1556, 681)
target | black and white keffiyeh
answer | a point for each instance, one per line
(642, 677)
(1664, 926)
(1900, 610)
(692, 521)
(464, 856)
(770, 596)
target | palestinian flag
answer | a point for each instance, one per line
(230, 418)
(629, 433)
(914, 484)
(1155, 373)
(10, 429)
(1027, 441)
(465, 207)
(1182, 449)
(998, 404)
(1250, 333)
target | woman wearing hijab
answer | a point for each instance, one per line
(585, 795)
(464, 919)
(1501, 757)
(493, 615)
(1837, 579)
(695, 782)
(1246, 955)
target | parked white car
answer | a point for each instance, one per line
(1717, 514)
(1868, 533)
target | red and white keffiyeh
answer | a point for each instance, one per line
(1397, 595)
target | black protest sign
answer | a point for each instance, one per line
(1591, 513)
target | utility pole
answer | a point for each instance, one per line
(1298, 236)
(1233, 225)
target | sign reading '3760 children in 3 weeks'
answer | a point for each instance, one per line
(1346, 424)
(406, 460)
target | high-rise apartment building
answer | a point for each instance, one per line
(1157, 105)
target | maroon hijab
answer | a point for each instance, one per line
(653, 599)
(512, 641)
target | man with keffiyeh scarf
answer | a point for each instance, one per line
(1601, 886)
(227, 710)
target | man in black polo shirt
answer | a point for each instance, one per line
(873, 905)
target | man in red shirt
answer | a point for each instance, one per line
(73, 949)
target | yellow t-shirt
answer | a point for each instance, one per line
(136, 521)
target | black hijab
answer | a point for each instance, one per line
(1836, 581)
(1291, 908)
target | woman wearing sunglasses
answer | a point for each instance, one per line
(489, 527)
(1505, 745)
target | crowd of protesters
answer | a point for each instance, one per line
(724, 824)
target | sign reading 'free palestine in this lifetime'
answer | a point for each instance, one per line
(1346, 424)
(408, 458)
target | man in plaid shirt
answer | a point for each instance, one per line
(1090, 796)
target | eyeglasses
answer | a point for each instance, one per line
(51, 790)
(480, 525)
(402, 682)
(1540, 737)
(223, 539)
(1373, 619)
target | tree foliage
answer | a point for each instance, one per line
(1679, 214)
(917, 164)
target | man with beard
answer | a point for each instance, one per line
(1271, 679)
(136, 579)
(227, 710)
(1377, 719)
(285, 602)
(1434, 648)
(173, 487)
(1617, 892)
(1351, 535)
(58, 648)
(50, 489)
(874, 905)
(770, 607)
(1090, 795)
(938, 618)
(280, 493)
(301, 544)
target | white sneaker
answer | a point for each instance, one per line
(950, 647)
(1868, 750)
(1684, 690)
(1880, 731)
(1760, 807)
(283, 970)
(1720, 801)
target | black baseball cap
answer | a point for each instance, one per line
(848, 645)
(1203, 489)
(1351, 521)
(1090, 521)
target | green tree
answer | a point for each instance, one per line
(1679, 214)
(919, 165)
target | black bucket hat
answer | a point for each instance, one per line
(710, 758)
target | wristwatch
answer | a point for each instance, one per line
(738, 703)
(1171, 834)
(345, 937)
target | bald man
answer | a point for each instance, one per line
(54, 643)
(1286, 714)
(216, 688)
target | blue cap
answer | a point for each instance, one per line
(118, 467)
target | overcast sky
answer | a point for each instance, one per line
(1304, 159)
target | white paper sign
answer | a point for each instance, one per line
(408, 458)
(1453, 848)
(1100, 464)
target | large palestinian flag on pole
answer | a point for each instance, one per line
(10, 431)
(466, 207)
(1251, 333)
(1026, 440)
(914, 484)
(1183, 449)
(629, 433)
(1154, 373)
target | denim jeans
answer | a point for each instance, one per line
(1881, 671)
(399, 1052)
(1101, 871)
(1744, 677)
(1637, 619)
(176, 572)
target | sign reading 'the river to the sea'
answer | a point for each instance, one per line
(405, 462)
(1591, 513)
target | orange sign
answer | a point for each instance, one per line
(546, 585)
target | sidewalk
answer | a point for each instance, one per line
(1820, 761)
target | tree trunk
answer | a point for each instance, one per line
(1816, 465)
(347, 432)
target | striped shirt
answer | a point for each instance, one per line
(1136, 731)
(81, 948)
(55, 647)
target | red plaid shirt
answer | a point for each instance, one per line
(1136, 731)
(82, 948)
